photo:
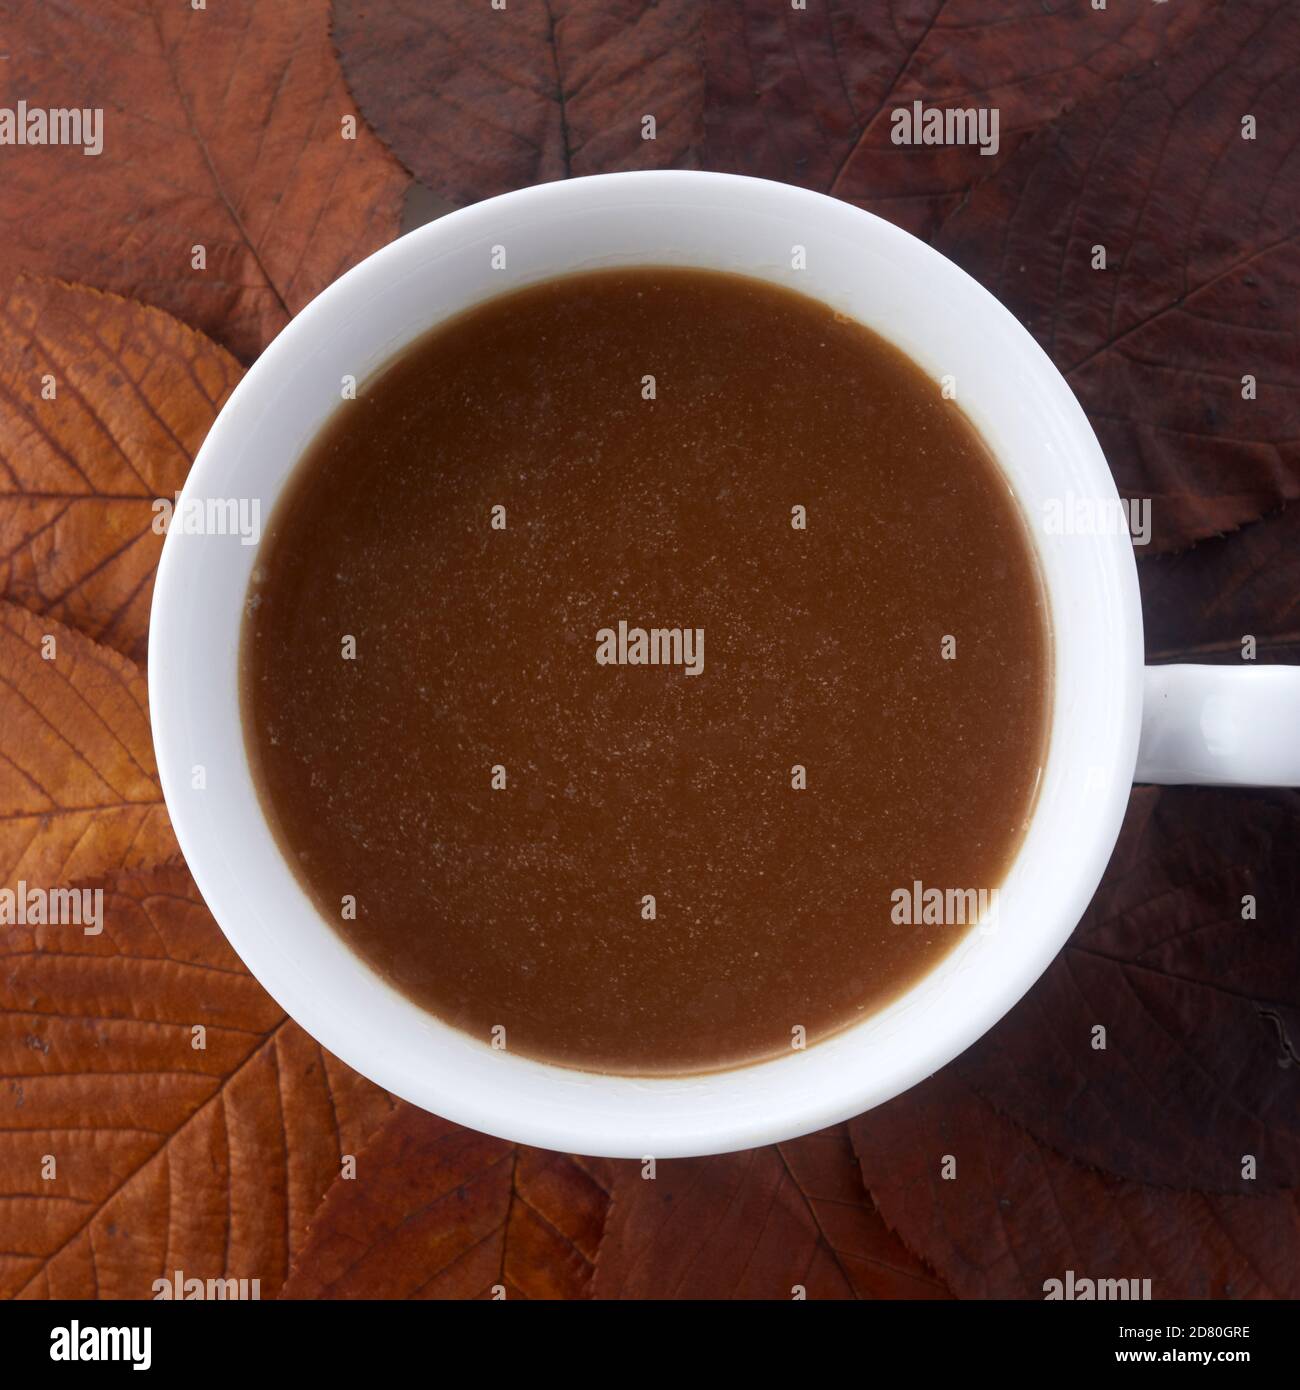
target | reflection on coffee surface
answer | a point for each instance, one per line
(648, 671)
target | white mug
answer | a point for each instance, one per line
(1111, 720)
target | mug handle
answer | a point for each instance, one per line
(1220, 726)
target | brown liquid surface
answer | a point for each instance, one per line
(476, 648)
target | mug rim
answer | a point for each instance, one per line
(586, 1126)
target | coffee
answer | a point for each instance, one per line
(648, 672)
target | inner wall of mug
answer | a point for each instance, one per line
(857, 264)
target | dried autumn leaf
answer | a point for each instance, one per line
(222, 129)
(1199, 1001)
(167, 1155)
(1184, 350)
(79, 790)
(476, 100)
(761, 1224)
(808, 96)
(134, 393)
(998, 1213)
(1199, 605)
(436, 1211)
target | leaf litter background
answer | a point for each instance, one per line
(1119, 127)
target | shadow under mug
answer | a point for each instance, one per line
(1112, 720)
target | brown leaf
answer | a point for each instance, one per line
(168, 1157)
(760, 1224)
(475, 101)
(1201, 1008)
(136, 391)
(808, 96)
(1202, 270)
(1016, 1213)
(436, 1211)
(222, 128)
(79, 791)
(1199, 604)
